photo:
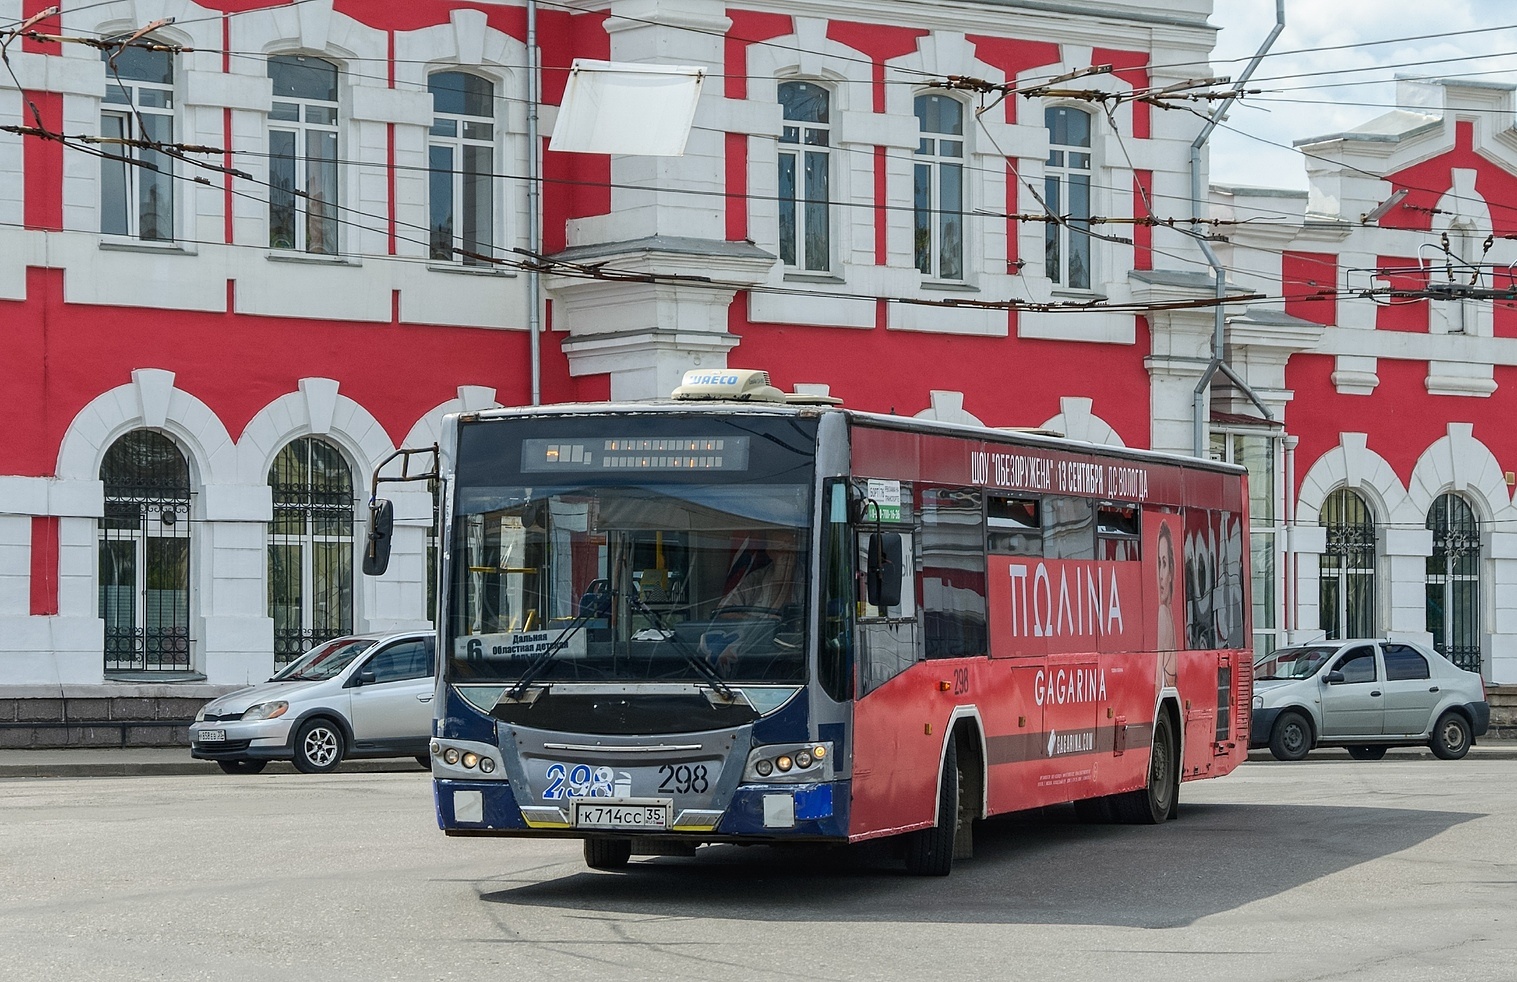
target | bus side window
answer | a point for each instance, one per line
(1068, 528)
(1013, 526)
(887, 635)
(1117, 528)
(953, 572)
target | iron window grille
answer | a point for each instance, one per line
(1453, 582)
(310, 547)
(1347, 568)
(144, 556)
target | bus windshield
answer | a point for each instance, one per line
(674, 551)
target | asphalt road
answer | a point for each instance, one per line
(1329, 869)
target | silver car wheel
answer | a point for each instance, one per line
(318, 746)
(321, 746)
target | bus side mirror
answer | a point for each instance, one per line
(884, 574)
(376, 552)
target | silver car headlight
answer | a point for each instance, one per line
(1258, 702)
(200, 715)
(267, 710)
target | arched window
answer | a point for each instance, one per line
(303, 199)
(136, 183)
(805, 162)
(461, 162)
(1066, 191)
(937, 187)
(310, 547)
(1347, 584)
(144, 549)
(1453, 581)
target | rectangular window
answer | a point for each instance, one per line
(1066, 192)
(461, 159)
(938, 188)
(136, 181)
(805, 166)
(304, 199)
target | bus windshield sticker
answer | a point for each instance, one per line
(885, 497)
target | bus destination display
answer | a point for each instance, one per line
(686, 453)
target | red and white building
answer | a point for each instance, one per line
(206, 368)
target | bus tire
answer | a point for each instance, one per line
(929, 852)
(608, 854)
(1094, 811)
(1152, 803)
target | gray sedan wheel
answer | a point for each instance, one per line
(318, 746)
(1292, 738)
(1451, 737)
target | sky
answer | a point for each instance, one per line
(1316, 92)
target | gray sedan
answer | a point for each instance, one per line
(1366, 695)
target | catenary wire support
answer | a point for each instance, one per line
(1218, 363)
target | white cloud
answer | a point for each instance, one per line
(1315, 92)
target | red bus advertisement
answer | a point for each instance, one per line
(730, 617)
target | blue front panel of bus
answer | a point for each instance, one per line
(819, 810)
(484, 804)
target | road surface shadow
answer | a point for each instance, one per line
(1040, 867)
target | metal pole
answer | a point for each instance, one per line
(534, 203)
(1198, 407)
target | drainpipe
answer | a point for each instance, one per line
(1218, 364)
(1292, 587)
(534, 204)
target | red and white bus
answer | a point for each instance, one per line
(738, 616)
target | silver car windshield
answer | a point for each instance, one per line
(1293, 663)
(324, 661)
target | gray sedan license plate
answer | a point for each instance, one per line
(211, 736)
(624, 813)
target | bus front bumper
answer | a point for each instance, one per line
(774, 813)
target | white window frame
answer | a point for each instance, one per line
(125, 109)
(939, 153)
(457, 142)
(804, 144)
(1065, 165)
(308, 123)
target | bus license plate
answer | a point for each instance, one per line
(211, 736)
(624, 814)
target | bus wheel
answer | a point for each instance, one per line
(1152, 804)
(929, 852)
(610, 854)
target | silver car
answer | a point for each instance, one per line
(367, 695)
(1366, 695)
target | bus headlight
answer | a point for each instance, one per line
(451, 755)
(790, 763)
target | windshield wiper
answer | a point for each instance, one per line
(601, 591)
(701, 666)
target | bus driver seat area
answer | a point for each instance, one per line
(758, 608)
